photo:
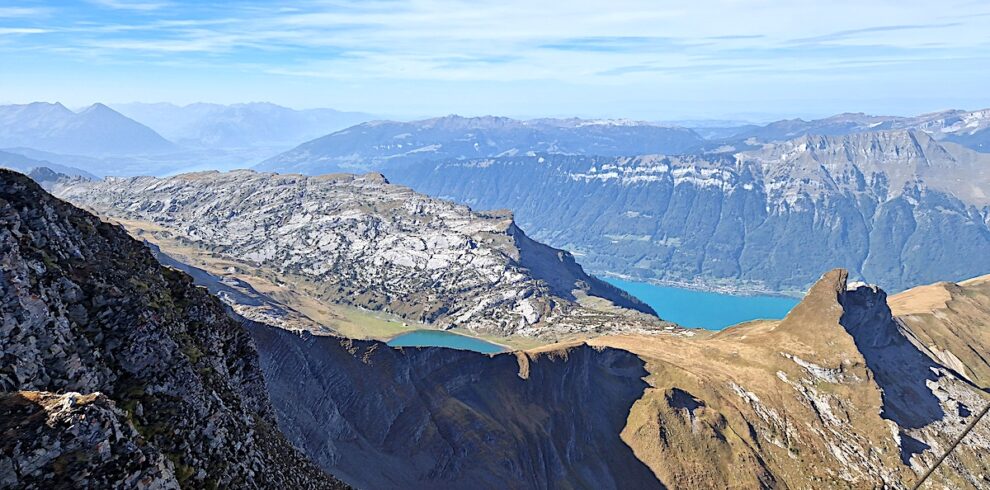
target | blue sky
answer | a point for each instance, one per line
(649, 59)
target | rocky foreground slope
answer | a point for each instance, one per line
(361, 241)
(895, 207)
(116, 372)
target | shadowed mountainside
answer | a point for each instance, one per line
(429, 417)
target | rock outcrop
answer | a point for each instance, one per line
(72, 440)
(361, 241)
(117, 372)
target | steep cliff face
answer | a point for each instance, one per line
(895, 208)
(118, 372)
(361, 241)
(438, 418)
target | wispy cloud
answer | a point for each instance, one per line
(131, 5)
(6, 31)
(851, 33)
(616, 44)
(20, 12)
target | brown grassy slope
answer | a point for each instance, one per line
(793, 403)
(953, 322)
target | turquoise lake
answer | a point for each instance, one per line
(439, 338)
(702, 309)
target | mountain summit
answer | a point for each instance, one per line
(96, 131)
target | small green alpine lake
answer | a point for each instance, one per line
(439, 338)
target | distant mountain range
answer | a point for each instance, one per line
(163, 138)
(257, 124)
(95, 131)
(968, 128)
(380, 145)
(384, 144)
(882, 196)
(101, 141)
(755, 208)
(24, 164)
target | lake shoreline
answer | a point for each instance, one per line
(708, 310)
(439, 333)
(703, 286)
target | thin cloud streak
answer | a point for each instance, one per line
(127, 5)
(835, 36)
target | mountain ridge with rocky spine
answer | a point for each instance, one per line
(834, 395)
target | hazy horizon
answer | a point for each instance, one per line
(731, 118)
(713, 59)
